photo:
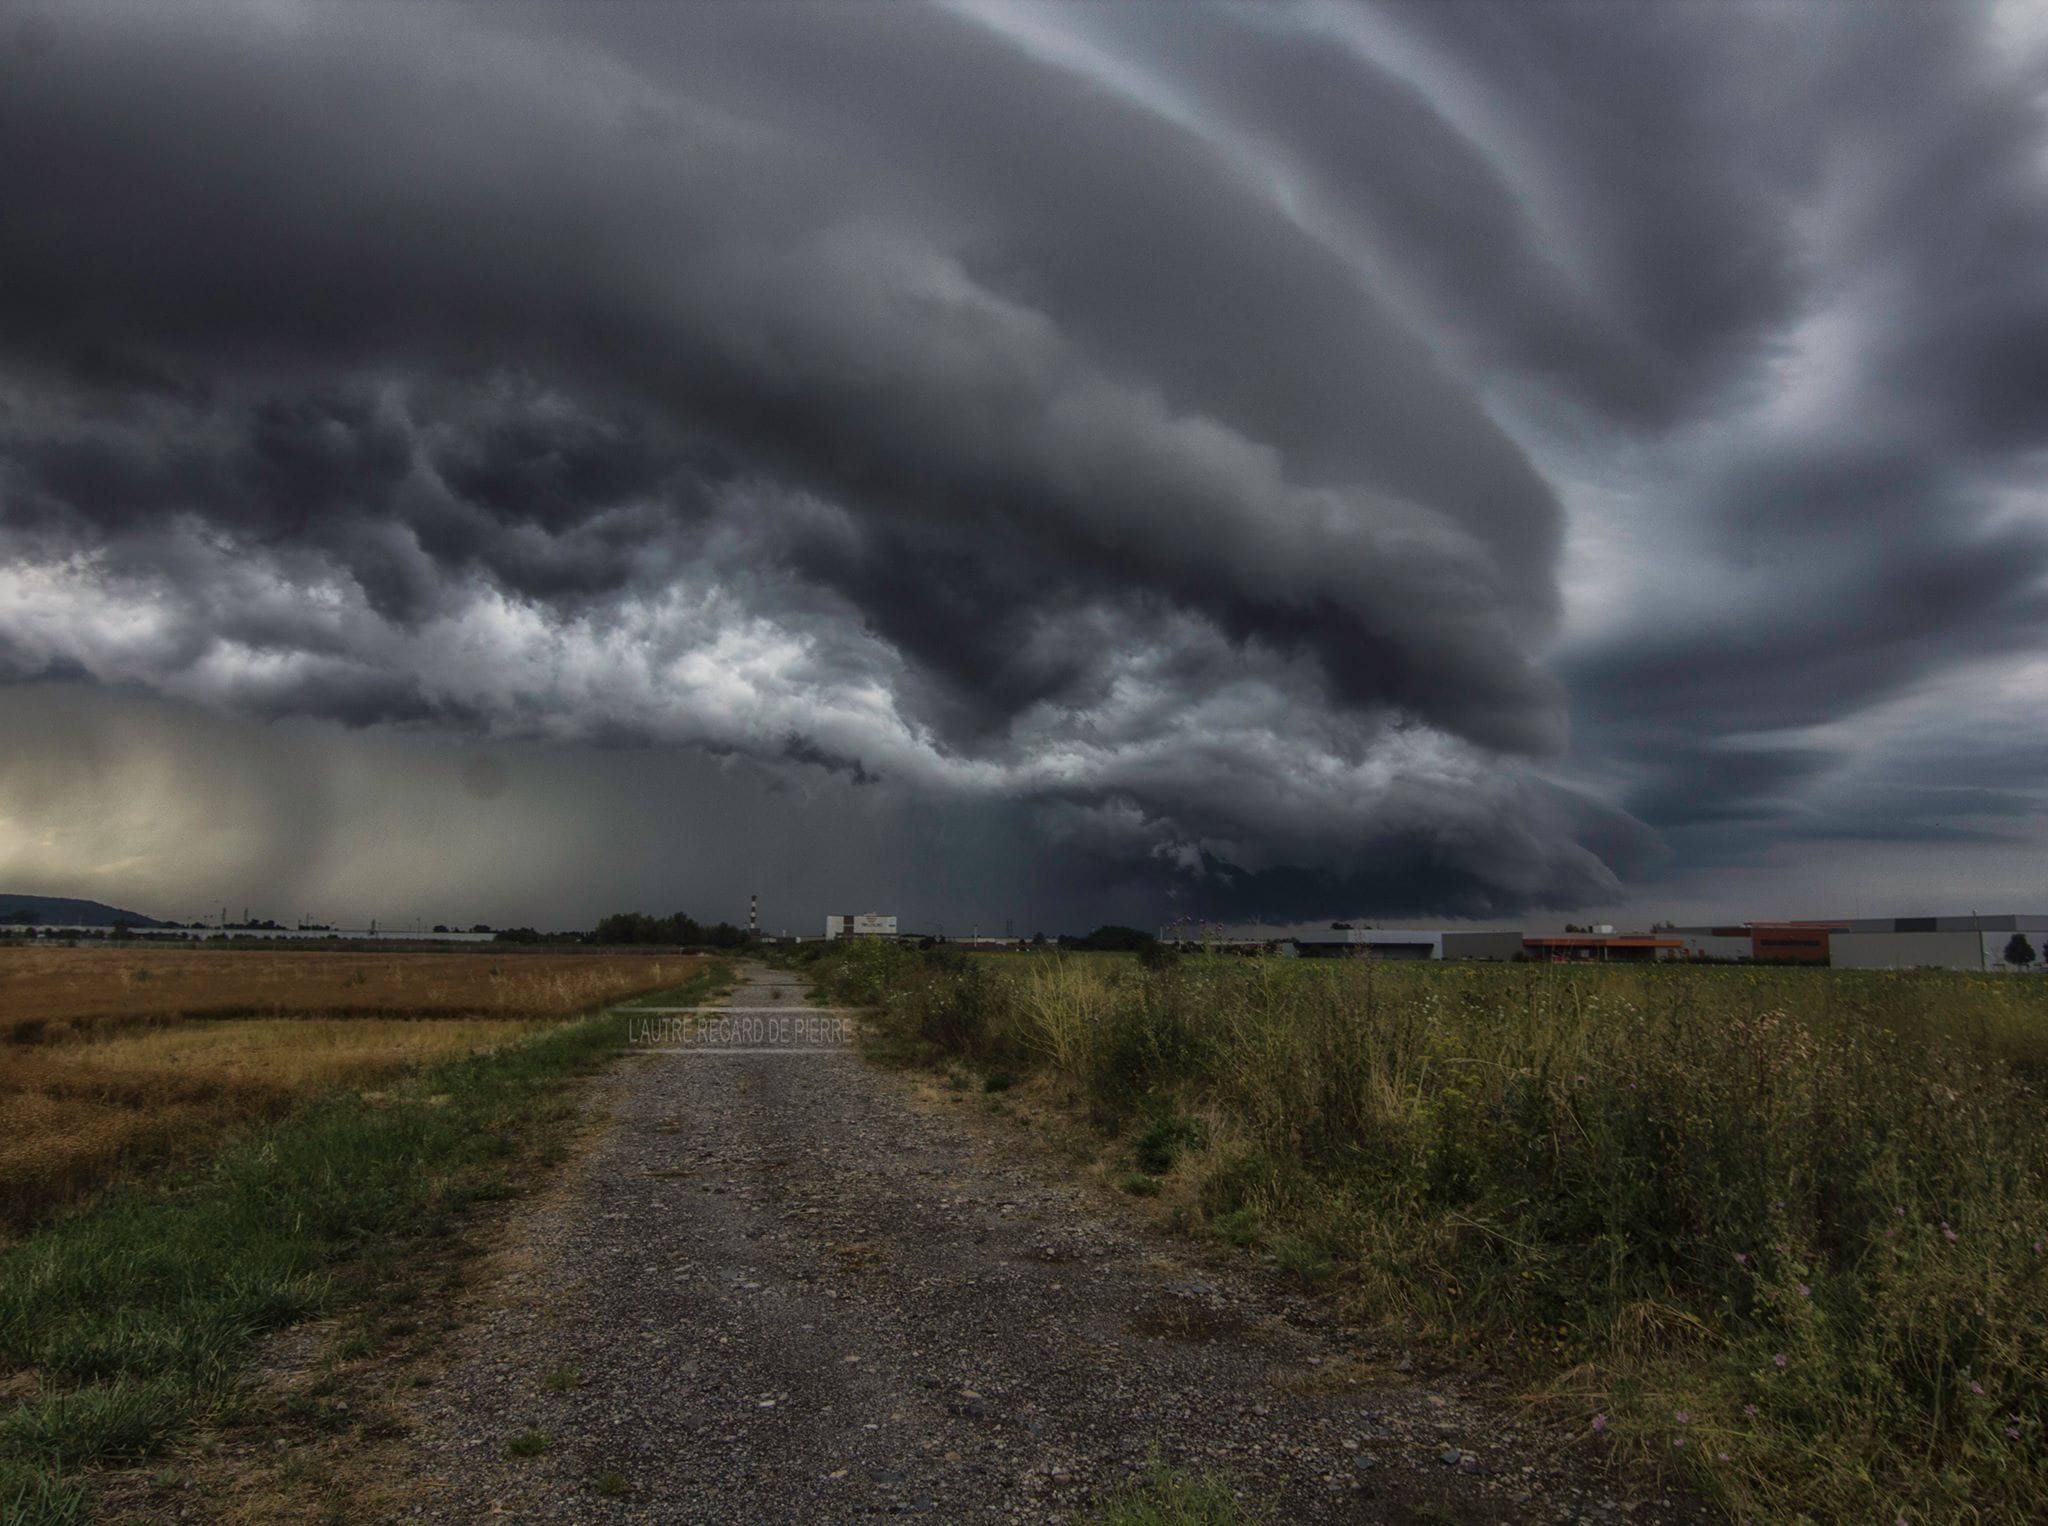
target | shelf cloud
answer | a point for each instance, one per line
(1174, 456)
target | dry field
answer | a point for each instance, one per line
(114, 1057)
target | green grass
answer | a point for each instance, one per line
(136, 1316)
(1805, 1209)
(41, 1495)
(1168, 1497)
(526, 1444)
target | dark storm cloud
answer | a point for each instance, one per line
(394, 369)
(1114, 420)
(801, 749)
(405, 219)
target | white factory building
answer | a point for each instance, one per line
(1970, 941)
(866, 924)
(1320, 940)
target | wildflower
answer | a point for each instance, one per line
(1723, 1456)
(1742, 1258)
(1683, 1417)
(1900, 1212)
(2013, 1432)
(1581, 1080)
(1891, 1234)
(1599, 1423)
(1749, 1410)
(1976, 1387)
(1779, 1359)
(1678, 1441)
(2037, 1246)
(1947, 1233)
(1805, 1291)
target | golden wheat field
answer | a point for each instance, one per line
(110, 1058)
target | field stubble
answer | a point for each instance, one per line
(1786, 1231)
(114, 1058)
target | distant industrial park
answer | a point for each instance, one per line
(2012, 942)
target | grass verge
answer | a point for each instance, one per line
(127, 1322)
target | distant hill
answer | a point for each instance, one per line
(63, 910)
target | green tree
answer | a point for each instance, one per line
(1110, 938)
(2019, 951)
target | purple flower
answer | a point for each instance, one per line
(1683, 1417)
(2038, 1245)
(1891, 1234)
(1581, 1080)
(1749, 1410)
(1599, 1423)
(1723, 1456)
(2013, 1432)
(1900, 1212)
(1678, 1441)
(1805, 1291)
(1779, 1359)
(1947, 1233)
(1976, 1387)
(1742, 1258)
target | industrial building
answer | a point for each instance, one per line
(866, 924)
(1603, 948)
(1978, 941)
(1971, 942)
(1402, 943)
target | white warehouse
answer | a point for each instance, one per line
(866, 924)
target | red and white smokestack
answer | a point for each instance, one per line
(754, 912)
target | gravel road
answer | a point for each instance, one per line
(783, 1286)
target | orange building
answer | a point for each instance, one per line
(1787, 942)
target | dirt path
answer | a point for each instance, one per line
(782, 1287)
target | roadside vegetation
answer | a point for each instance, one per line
(1166, 1497)
(125, 1322)
(118, 1060)
(1785, 1231)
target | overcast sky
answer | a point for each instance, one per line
(1016, 463)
